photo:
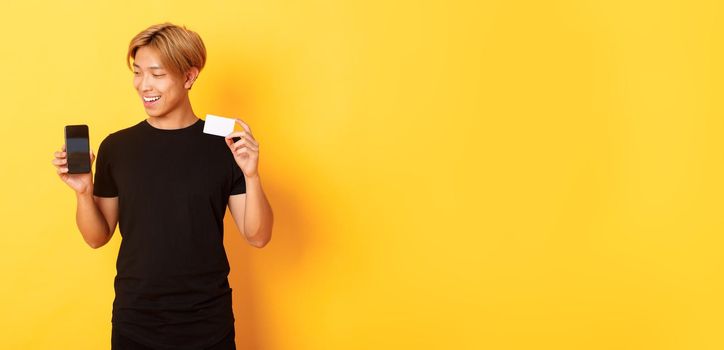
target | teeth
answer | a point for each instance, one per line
(150, 99)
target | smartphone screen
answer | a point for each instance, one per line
(77, 149)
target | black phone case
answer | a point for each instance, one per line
(78, 160)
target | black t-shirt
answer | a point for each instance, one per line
(172, 186)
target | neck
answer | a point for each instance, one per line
(178, 118)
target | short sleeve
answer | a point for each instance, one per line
(238, 183)
(104, 185)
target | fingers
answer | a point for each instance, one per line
(242, 146)
(245, 143)
(61, 162)
(60, 159)
(244, 150)
(241, 134)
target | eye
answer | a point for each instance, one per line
(135, 73)
(158, 75)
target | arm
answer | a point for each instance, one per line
(96, 218)
(252, 213)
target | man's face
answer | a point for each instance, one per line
(161, 89)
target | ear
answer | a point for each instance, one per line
(190, 76)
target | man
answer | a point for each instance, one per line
(167, 184)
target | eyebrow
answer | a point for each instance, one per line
(151, 67)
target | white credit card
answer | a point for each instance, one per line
(219, 126)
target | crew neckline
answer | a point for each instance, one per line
(171, 131)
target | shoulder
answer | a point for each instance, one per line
(125, 135)
(128, 132)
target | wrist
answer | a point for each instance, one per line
(253, 177)
(88, 192)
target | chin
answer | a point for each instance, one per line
(153, 113)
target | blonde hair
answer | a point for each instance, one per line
(179, 47)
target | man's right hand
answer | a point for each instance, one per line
(80, 183)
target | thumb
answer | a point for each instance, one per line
(92, 157)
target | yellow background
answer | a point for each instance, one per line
(444, 175)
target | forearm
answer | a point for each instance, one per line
(91, 222)
(258, 216)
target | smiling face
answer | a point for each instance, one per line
(162, 90)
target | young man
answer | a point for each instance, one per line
(167, 185)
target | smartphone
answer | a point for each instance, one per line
(77, 148)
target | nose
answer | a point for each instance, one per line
(145, 83)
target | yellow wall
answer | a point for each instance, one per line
(470, 175)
